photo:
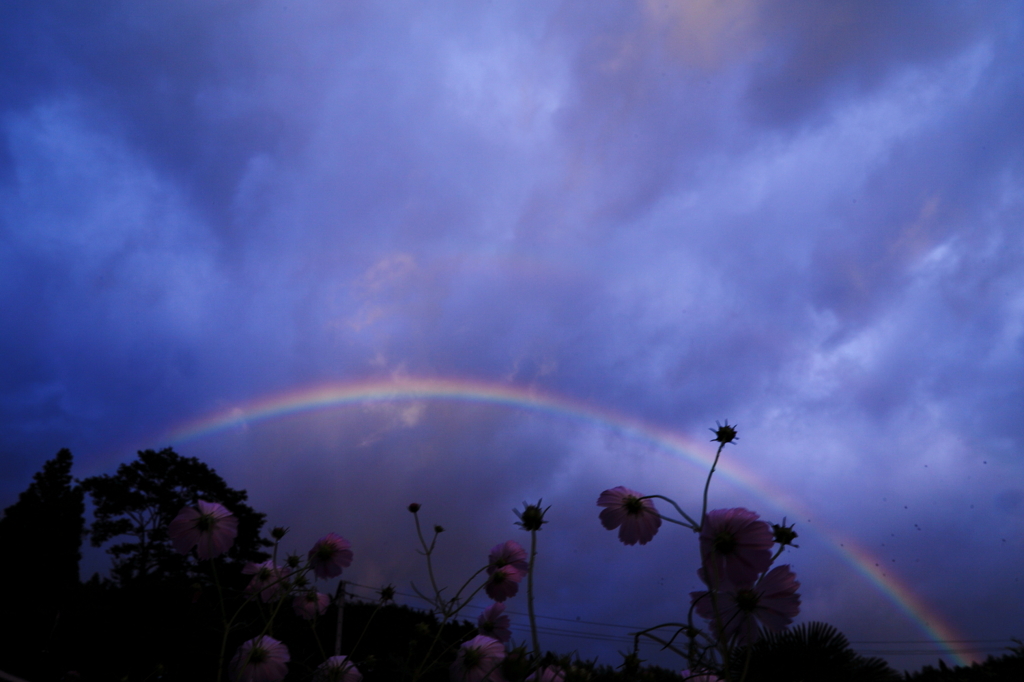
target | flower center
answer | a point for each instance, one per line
(257, 655)
(746, 600)
(471, 658)
(725, 543)
(204, 523)
(634, 505)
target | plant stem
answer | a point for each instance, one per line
(529, 593)
(704, 508)
(224, 621)
(339, 599)
(692, 524)
(361, 634)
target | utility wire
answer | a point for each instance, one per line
(605, 637)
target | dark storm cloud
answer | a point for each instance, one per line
(817, 58)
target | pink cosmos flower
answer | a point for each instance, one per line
(548, 673)
(261, 659)
(735, 546)
(478, 660)
(636, 519)
(337, 669)
(509, 553)
(494, 623)
(773, 601)
(503, 583)
(267, 579)
(310, 604)
(329, 555)
(211, 529)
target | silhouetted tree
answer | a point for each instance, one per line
(809, 652)
(142, 498)
(1006, 668)
(41, 540)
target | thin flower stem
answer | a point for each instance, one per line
(529, 593)
(684, 524)
(659, 640)
(444, 653)
(746, 664)
(365, 628)
(339, 602)
(636, 635)
(312, 625)
(427, 551)
(455, 599)
(707, 484)
(693, 524)
(430, 650)
(224, 621)
(715, 578)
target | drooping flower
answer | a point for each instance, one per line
(548, 673)
(773, 602)
(636, 519)
(267, 579)
(329, 555)
(479, 660)
(503, 583)
(310, 604)
(337, 669)
(261, 659)
(494, 623)
(508, 553)
(735, 546)
(211, 530)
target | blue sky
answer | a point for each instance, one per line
(806, 219)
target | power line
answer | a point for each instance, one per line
(606, 637)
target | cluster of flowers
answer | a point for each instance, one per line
(480, 658)
(743, 590)
(211, 530)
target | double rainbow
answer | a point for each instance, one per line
(307, 399)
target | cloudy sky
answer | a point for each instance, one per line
(645, 216)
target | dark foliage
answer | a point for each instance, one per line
(1006, 668)
(811, 652)
(41, 537)
(160, 619)
(143, 497)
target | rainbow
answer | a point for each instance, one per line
(334, 395)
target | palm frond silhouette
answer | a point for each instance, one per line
(810, 652)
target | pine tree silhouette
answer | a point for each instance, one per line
(41, 540)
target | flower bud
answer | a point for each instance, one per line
(278, 532)
(414, 507)
(438, 529)
(784, 535)
(532, 516)
(631, 664)
(387, 594)
(725, 433)
(293, 561)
